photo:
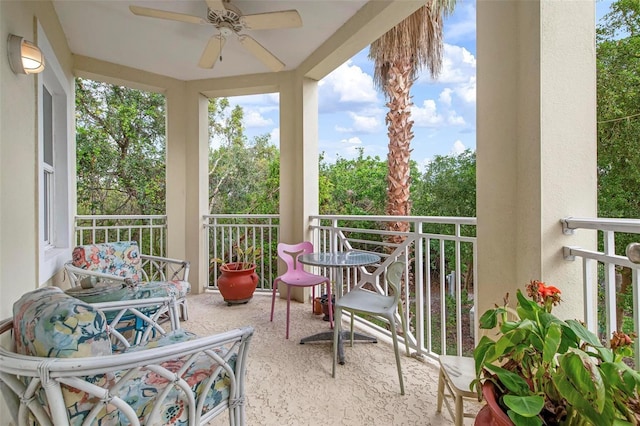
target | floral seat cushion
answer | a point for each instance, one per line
(50, 323)
(145, 386)
(110, 291)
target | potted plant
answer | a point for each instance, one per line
(238, 279)
(546, 371)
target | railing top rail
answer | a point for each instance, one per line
(236, 216)
(430, 219)
(127, 217)
(569, 224)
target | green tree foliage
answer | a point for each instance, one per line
(353, 187)
(618, 91)
(243, 175)
(448, 187)
(618, 65)
(120, 137)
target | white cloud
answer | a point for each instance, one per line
(455, 119)
(458, 147)
(364, 123)
(462, 25)
(253, 118)
(458, 66)
(350, 84)
(445, 96)
(427, 115)
(352, 141)
(467, 91)
(275, 136)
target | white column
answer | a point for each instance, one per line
(298, 163)
(536, 144)
(187, 171)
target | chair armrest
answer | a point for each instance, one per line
(76, 275)
(165, 268)
(147, 314)
(169, 367)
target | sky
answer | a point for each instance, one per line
(352, 111)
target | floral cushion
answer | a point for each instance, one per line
(110, 291)
(48, 323)
(121, 258)
(144, 386)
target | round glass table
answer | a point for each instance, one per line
(339, 261)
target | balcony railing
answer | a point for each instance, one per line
(440, 253)
(148, 230)
(609, 277)
(224, 233)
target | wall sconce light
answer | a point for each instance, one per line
(24, 56)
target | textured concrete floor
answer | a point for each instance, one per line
(291, 384)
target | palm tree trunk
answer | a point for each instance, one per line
(399, 124)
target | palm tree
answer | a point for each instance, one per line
(398, 56)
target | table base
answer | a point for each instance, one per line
(327, 336)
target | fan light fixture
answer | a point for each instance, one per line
(24, 56)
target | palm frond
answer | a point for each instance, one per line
(418, 41)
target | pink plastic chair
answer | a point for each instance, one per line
(296, 276)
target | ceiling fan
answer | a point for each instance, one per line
(228, 19)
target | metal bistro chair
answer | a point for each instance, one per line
(296, 276)
(360, 300)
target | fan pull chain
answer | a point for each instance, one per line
(220, 38)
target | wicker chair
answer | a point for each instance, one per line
(116, 271)
(67, 365)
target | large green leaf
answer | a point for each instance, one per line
(519, 420)
(526, 406)
(579, 381)
(584, 334)
(512, 381)
(489, 319)
(509, 340)
(551, 342)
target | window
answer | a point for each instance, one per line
(48, 190)
(54, 165)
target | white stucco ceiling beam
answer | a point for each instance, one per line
(373, 20)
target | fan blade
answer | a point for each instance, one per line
(215, 4)
(163, 14)
(261, 53)
(272, 20)
(212, 51)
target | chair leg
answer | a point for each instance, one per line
(288, 301)
(273, 297)
(351, 328)
(459, 410)
(183, 309)
(403, 320)
(313, 296)
(336, 331)
(394, 336)
(330, 305)
(440, 390)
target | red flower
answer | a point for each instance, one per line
(547, 291)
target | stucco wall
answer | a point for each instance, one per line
(19, 247)
(536, 144)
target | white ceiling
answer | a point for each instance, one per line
(109, 31)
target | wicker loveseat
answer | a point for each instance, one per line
(107, 272)
(65, 364)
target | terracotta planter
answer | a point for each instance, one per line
(237, 285)
(491, 414)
